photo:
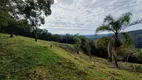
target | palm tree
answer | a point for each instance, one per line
(117, 26)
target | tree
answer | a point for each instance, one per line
(77, 43)
(127, 47)
(5, 18)
(8, 13)
(88, 48)
(33, 11)
(116, 26)
(101, 45)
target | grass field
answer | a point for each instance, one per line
(23, 59)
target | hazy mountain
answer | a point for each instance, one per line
(137, 36)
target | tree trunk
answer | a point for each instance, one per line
(115, 60)
(35, 39)
(115, 49)
(36, 35)
(8, 76)
(11, 35)
(77, 51)
(90, 57)
(109, 52)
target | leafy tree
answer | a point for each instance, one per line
(88, 48)
(93, 47)
(101, 45)
(33, 11)
(137, 56)
(4, 19)
(67, 39)
(127, 47)
(43, 34)
(57, 37)
(127, 40)
(116, 26)
(77, 45)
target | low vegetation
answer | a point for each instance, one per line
(22, 59)
(74, 58)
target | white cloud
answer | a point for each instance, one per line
(84, 16)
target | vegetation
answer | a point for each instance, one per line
(101, 45)
(74, 58)
(116, 26)
(138, 41)
(77, 43)
(21, 59)
(33, 11)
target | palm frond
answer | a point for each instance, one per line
(133, 23)
(136, 22)
(116, 26)
(108, 19)
(103, 28)
(126, 18)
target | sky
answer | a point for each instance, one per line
(84, 16)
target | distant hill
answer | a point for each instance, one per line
(137, 36)
(136, 33)
(95, 37)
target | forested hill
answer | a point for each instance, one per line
(133, 33)
(137, 36)
(136, 32)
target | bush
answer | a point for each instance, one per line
(101, 45)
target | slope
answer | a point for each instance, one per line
(23, 59)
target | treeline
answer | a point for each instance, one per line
(81, 43)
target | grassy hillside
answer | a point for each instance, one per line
(21, 59)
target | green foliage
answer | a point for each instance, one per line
(138, 55)
(102, 42)
(88, 46)
(23, 59)
(127, 39)
(103, 28)
(127, 48)
(5, 19)
(101, 45)
(77, 41)
(33, 11)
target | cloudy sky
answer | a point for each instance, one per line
(84, 16)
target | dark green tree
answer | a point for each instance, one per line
(33, 11)
(127, 48)
(77, 43)
(101, 45)
(88, 48)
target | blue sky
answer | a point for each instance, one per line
(84, 16)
